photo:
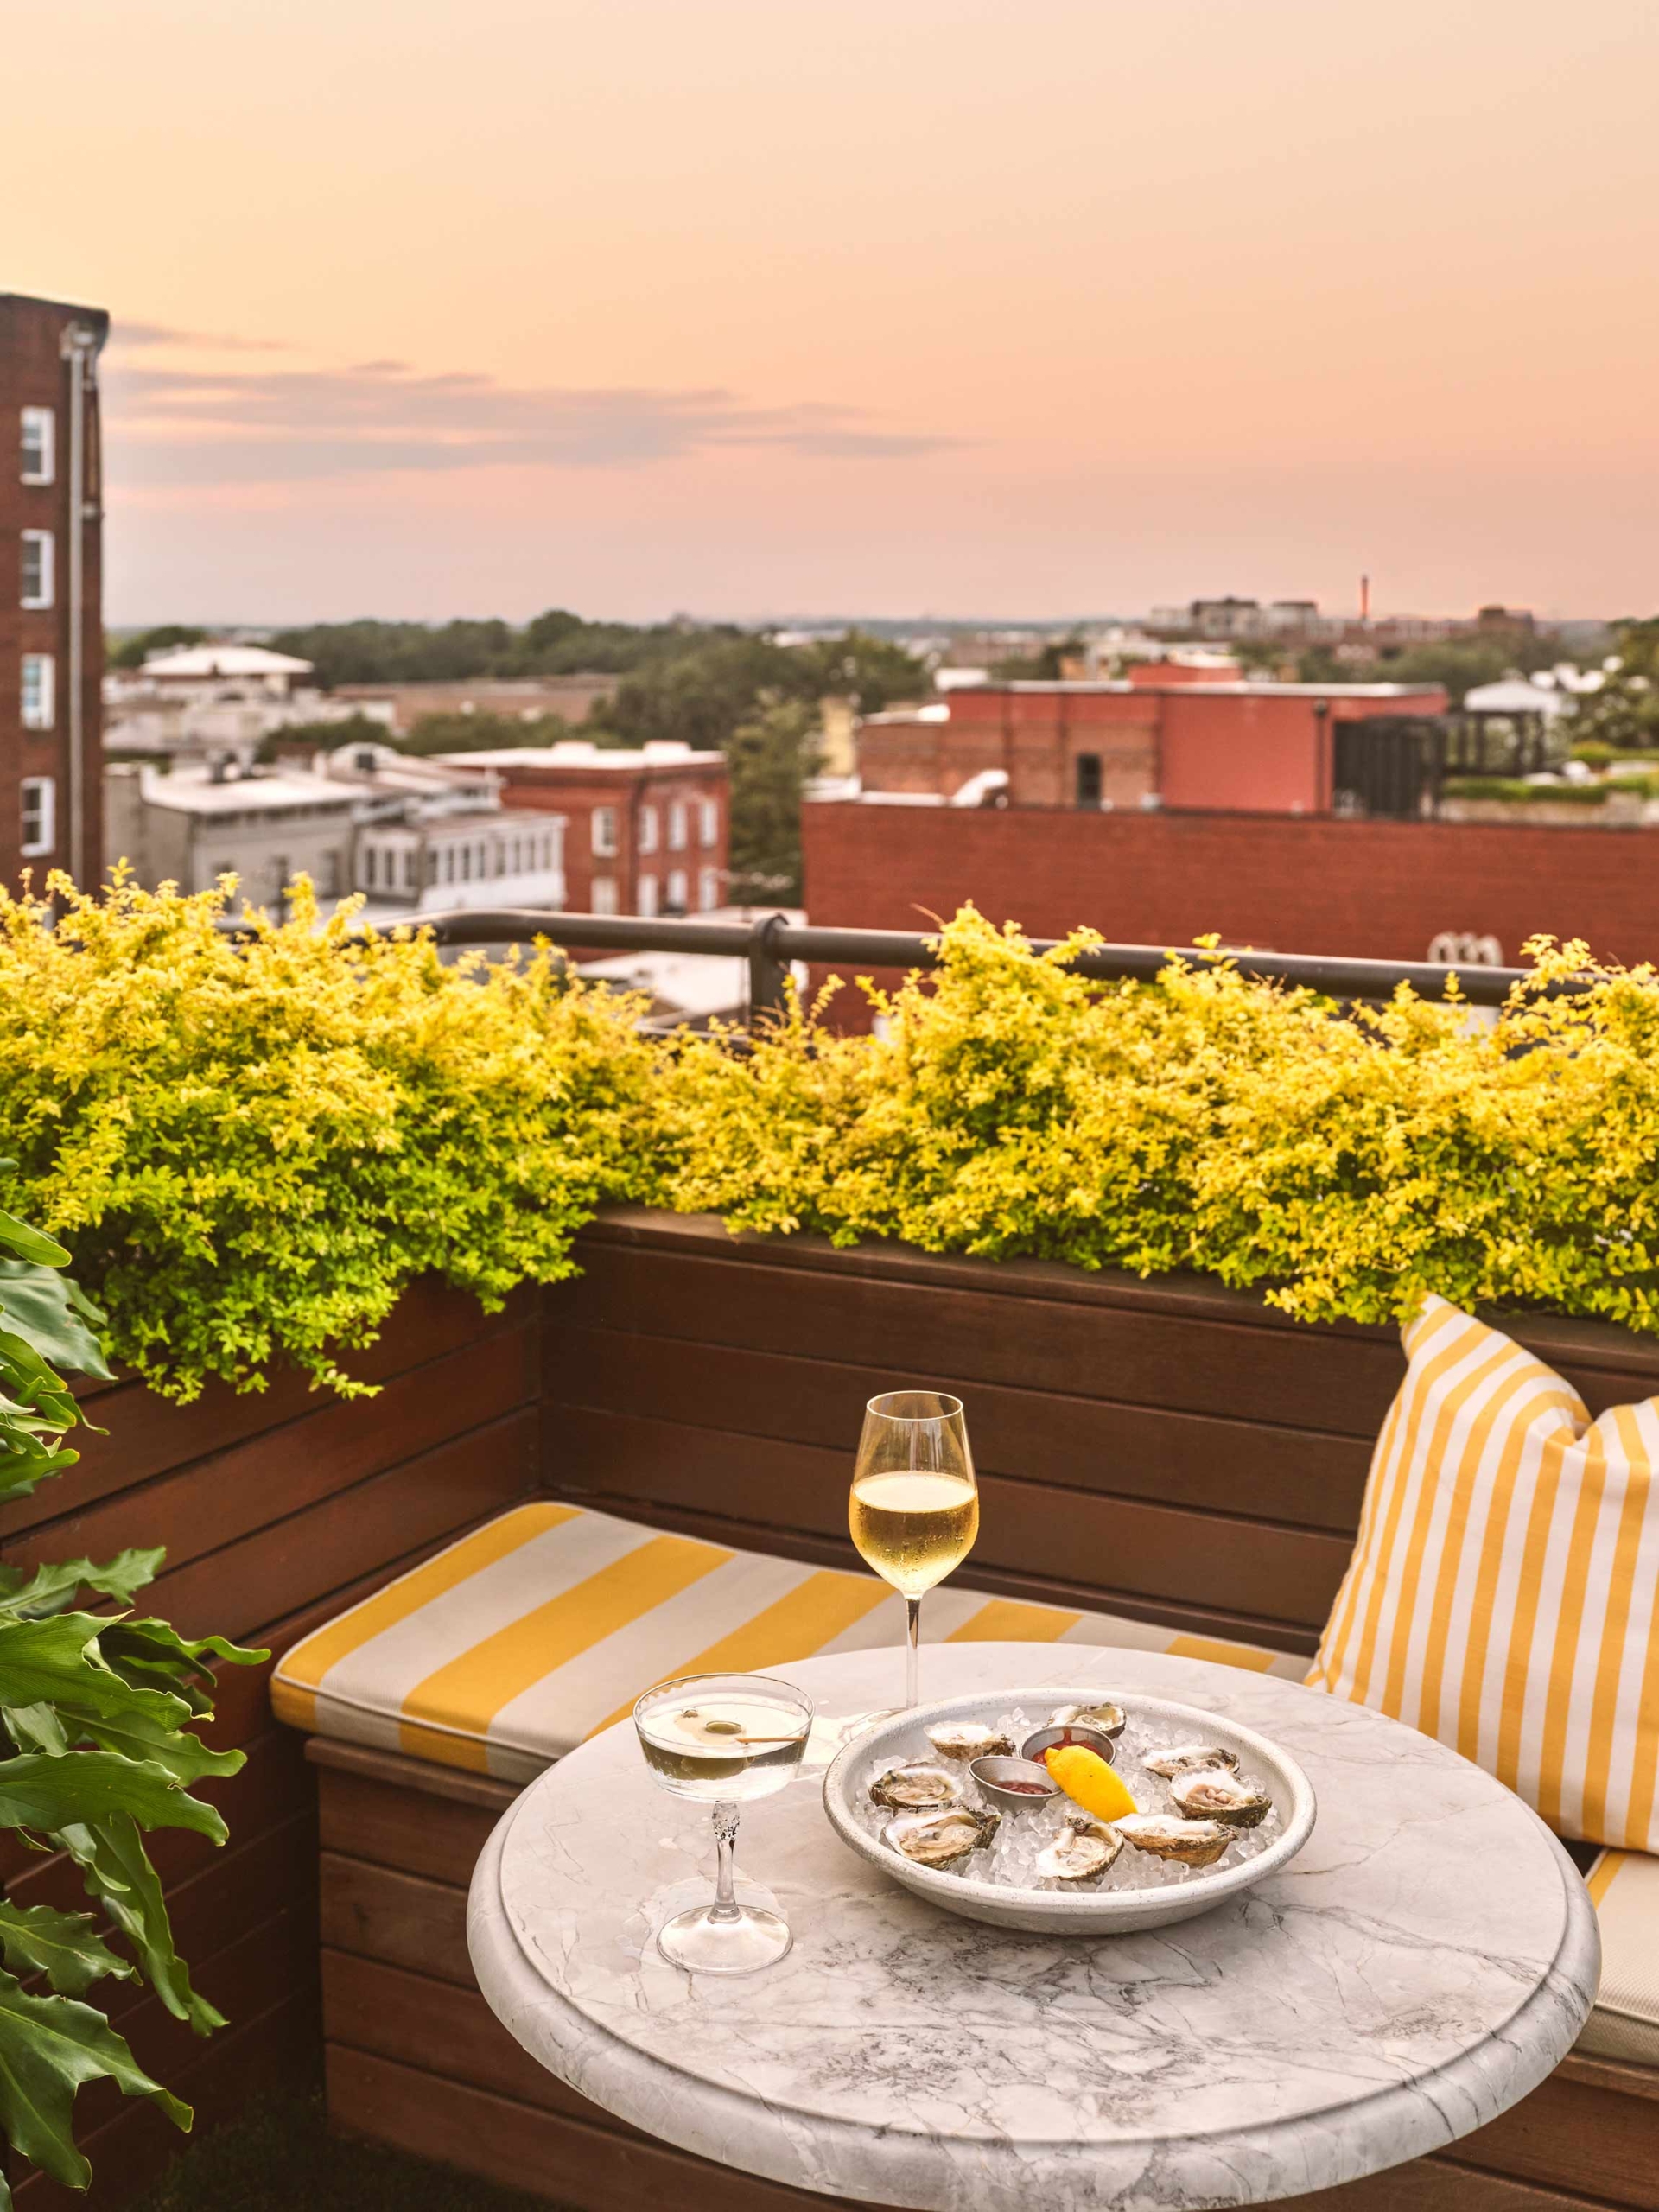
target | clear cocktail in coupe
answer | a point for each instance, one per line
(914, 1506)
(723, 1740)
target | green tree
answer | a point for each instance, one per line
(703, 696)
(1624, 713)
(770, 755)
(481, 733)
(873, 672)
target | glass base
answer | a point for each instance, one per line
(701, 1944)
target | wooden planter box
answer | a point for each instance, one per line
(1168, 1449)
(277, 1509)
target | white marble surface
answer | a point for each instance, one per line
(1428, 1959)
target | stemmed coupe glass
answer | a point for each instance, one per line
(914, 1507)
(723, 1740)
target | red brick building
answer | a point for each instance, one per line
(1371, 890)
(647, 828)
(1259, 748)
(51, 589)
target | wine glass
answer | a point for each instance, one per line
(914, 1509)
(723, 1740)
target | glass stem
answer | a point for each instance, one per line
(725, 1906)
(912, 1652)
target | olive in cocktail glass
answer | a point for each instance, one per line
(723, 1740)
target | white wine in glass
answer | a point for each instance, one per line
(914, 1507)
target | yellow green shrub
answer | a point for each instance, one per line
(253, 1149)
(1344, 1164)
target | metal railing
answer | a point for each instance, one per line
(771, 944)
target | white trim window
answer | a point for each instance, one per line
(647, 896)
(648, 828)
(708, 889)
(604, 833)
(708, 820)
(604, 899)
(37, 565)
(39, 810)
(38, 690)
(39, 450)
(679, 889)
(676, 826)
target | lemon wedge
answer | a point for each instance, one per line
(1088, 1781)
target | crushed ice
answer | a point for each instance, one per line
(1012, 1857)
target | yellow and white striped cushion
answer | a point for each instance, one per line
(506, 1650)
(1502, 1590)
(1624, 1885)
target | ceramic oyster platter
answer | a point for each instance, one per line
(1069, 1813)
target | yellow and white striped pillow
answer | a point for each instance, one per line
(1500, 1595)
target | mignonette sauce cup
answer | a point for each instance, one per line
(723, 1740)
(914, 1507)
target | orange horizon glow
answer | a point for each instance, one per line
(902, 308)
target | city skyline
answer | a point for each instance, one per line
(662, 312)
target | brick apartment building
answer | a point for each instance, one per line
(51, 589)
(646, 828)
(1031, 801)
(1159, 738)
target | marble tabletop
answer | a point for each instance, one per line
(1428, 1959)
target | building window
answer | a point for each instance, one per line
(647, 895)
(708, 889)
(604, 894)
(40, 441)
(677, 891)
(676, 827)
(648, 828)
(708, 814)
(1087, 769)
(38, 704)
(40, 796)
(37, 569)
(604, 832)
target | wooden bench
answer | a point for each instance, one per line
(1168, 1451)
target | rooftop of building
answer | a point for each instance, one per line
(582, 753)
(202, 662)
(209, 790)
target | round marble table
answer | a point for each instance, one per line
(1428, 1959)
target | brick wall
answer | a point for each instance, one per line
(33, 373)
(1374, 890)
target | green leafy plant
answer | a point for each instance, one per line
(97, 1710)
(253, 1147)
(1342, 1163)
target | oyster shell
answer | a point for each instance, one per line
(1110, 1719)
(1187, 1758)
(969, 1740)
(908, 1789)
(1082, 1850)
(1194, 1843)
(1211, 1793)
(941, 1839)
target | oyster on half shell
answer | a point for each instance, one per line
(1110, 1719)
(1187, 1758)
(908, 1789)
(969, 1740)
(1193, 1843)
(1211, 1793)
(1082, 1850)
(939, 1840)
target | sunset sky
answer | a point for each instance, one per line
(894, 306)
